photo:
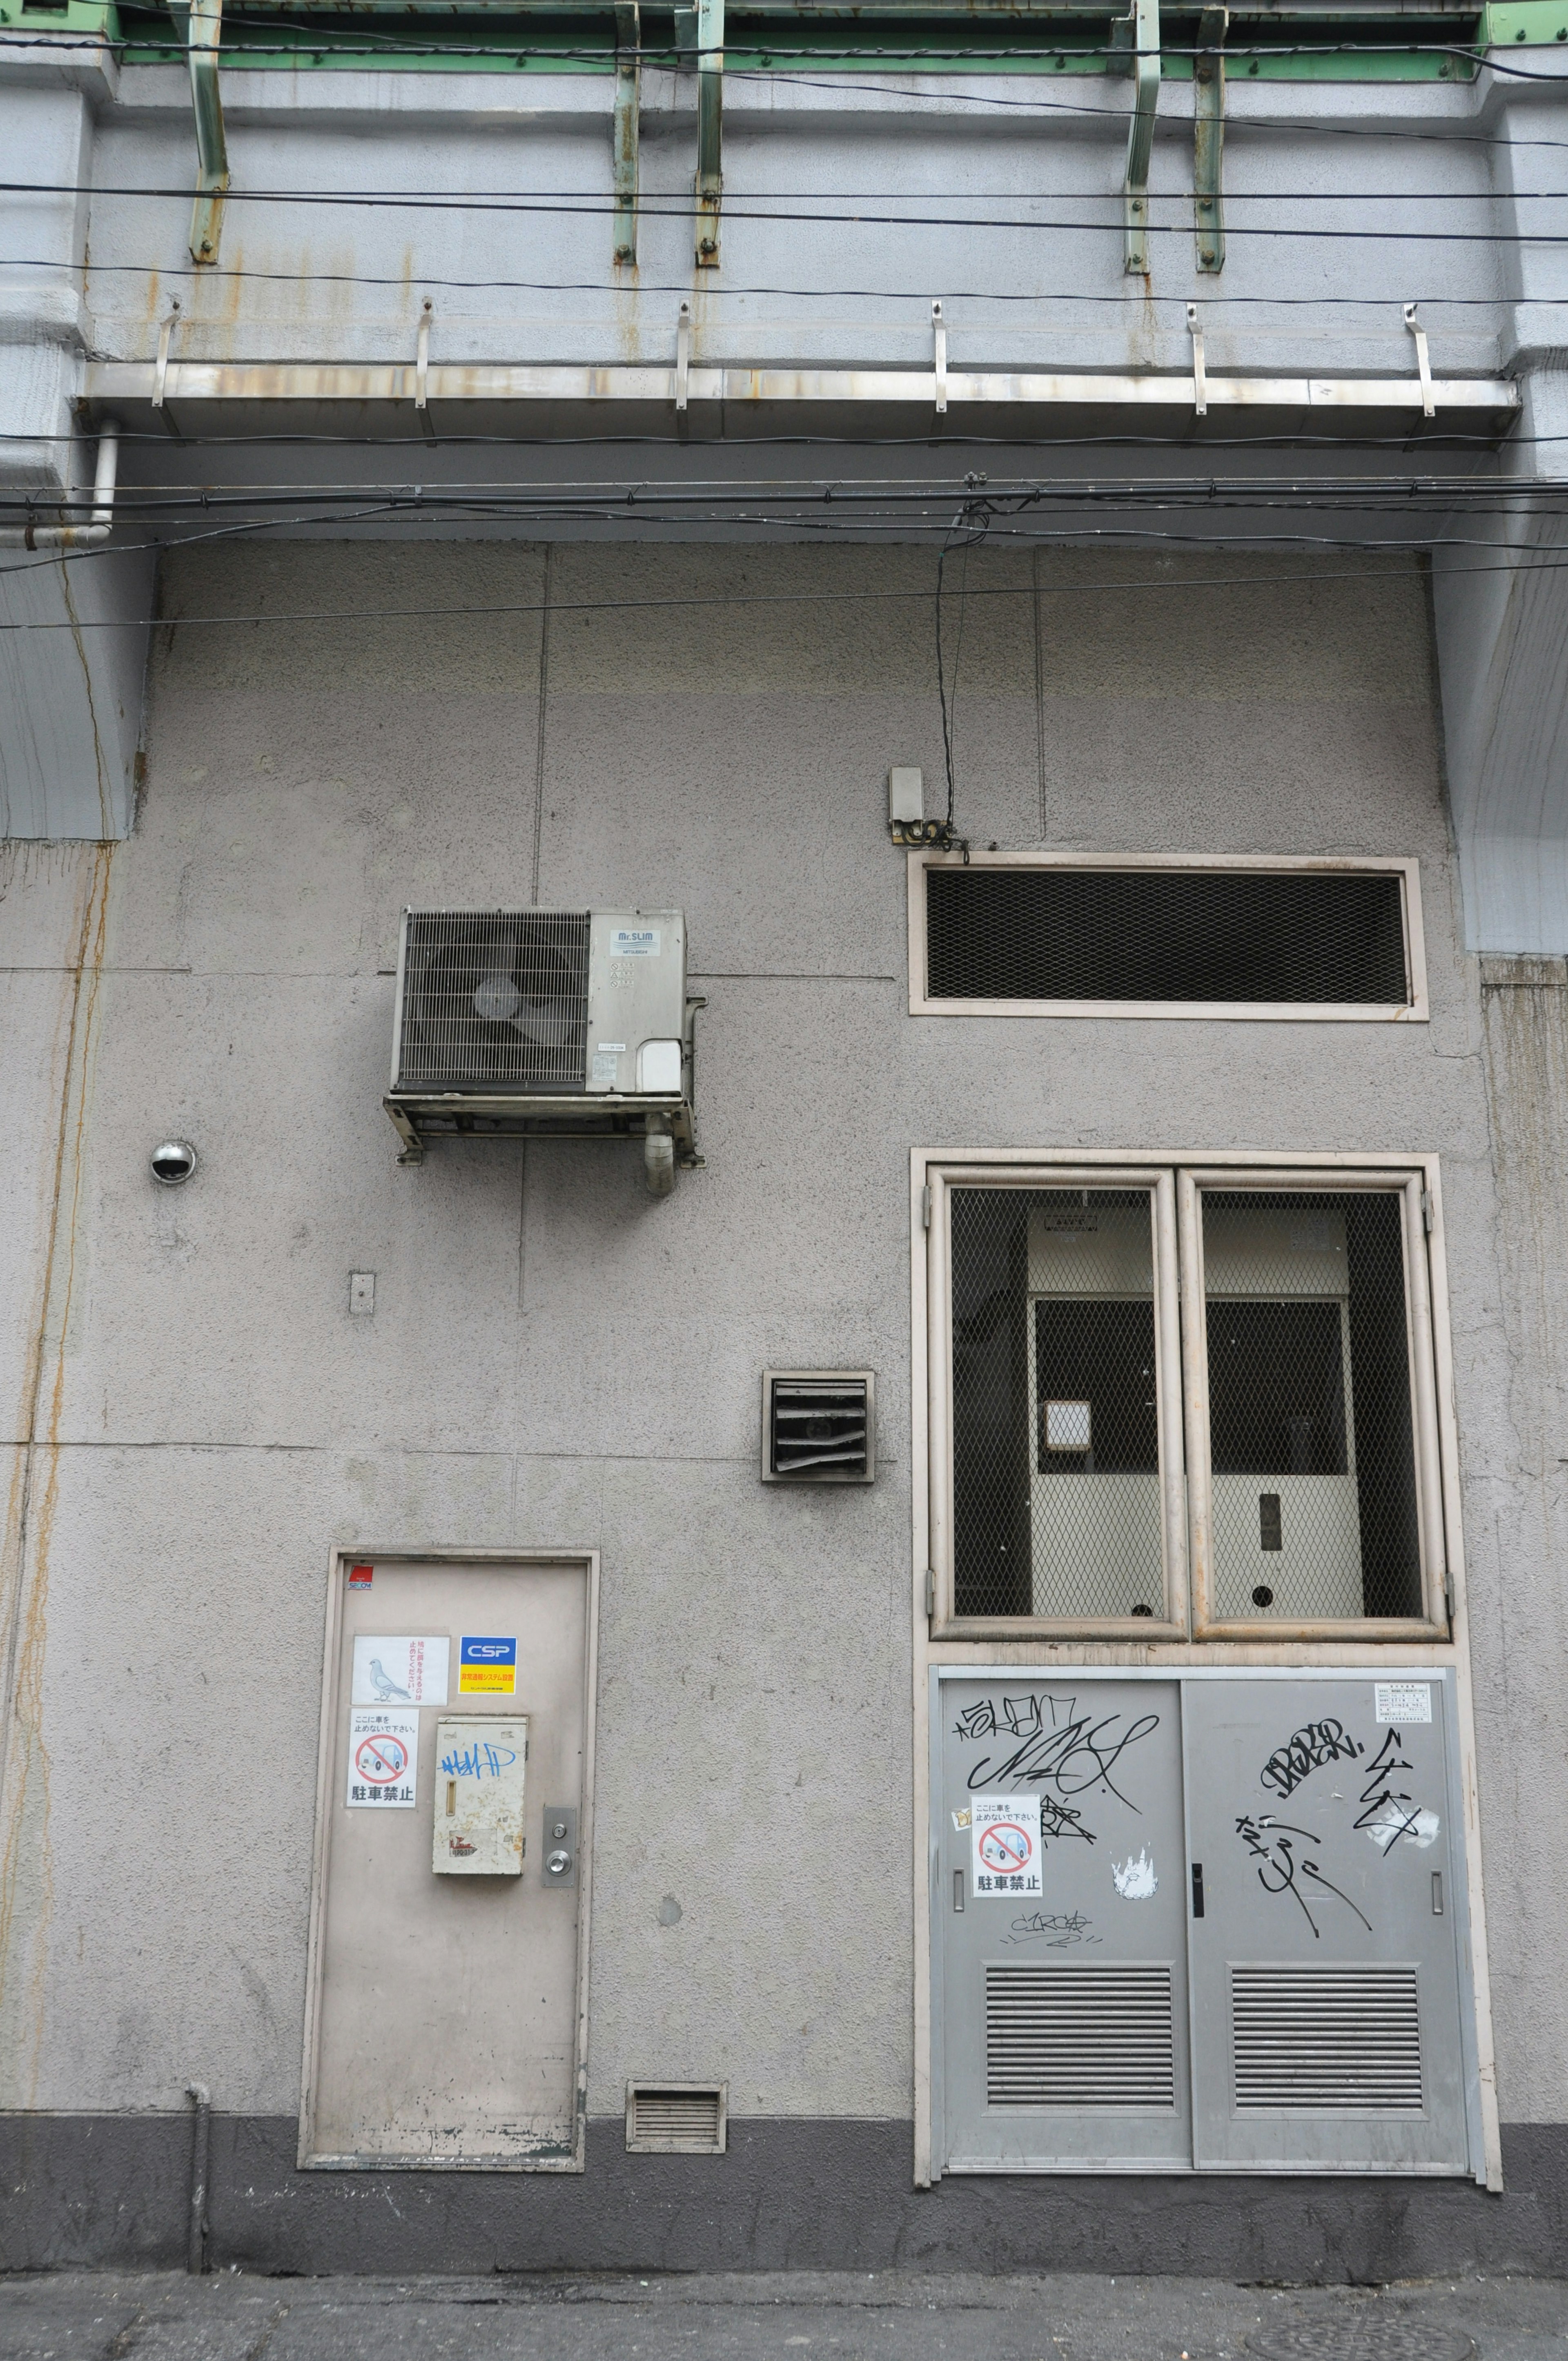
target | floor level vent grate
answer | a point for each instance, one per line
(677, 2118)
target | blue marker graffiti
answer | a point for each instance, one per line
(477, 1761)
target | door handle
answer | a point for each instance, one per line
(957, 1889)
(1196, 1889)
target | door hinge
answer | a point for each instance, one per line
(1427, 1214)
(925, 1209)
(930, 1591)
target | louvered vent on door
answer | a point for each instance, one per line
(1172, 936)
(1099, 2037)
(1304, 2039)
(677, 2118)
(818, 1426)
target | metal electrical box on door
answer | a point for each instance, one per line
(481, 1766)
(445, 2000)
(1211, 1922)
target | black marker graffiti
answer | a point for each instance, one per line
(1269, 1843)
(1383, 1815)
(1059, 1933)
(1306, 1750)
(1073, 1754)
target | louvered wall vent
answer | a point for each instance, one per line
(677, 2118)
(818, 1426)
(1309, 2038)
(1099, 2037)
(1170, 938)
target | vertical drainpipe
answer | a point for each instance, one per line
(200, 2149)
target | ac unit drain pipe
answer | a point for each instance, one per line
(78, 536)
(201, 2145)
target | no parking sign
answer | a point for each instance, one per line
(1006, 1836)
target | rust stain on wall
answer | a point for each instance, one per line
(35, 1490)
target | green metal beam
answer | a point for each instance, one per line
(709, 129)
(201, 23)
(1209, 138)
(628, 101)
(1144, 25)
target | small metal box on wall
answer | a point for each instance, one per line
(480, 1770)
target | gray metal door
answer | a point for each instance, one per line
(1324, 1924)
(1061, 1893)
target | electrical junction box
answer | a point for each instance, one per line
(480, 1767)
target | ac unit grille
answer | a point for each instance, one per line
(676, 2120)
(1099, 2037)
(1304, 2039)
(818, 1428)
(494, 1000)
(1172, 935)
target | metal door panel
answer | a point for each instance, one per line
(1325, 1966)
(1064, 2015)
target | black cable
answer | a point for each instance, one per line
(1187, 584)
(681, 210)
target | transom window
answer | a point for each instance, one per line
(1176, 1400)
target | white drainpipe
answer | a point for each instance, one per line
(77, 536)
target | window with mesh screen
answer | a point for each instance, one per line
(1312, 1467)
(1246, 938)
(1056, 1486)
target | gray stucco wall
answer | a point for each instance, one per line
(556, 1359)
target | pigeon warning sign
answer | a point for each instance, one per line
(400, 1671)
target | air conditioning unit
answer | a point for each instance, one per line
(545, 1024)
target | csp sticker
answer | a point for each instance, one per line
(383, 1757)
(487, 1667)
(1006, 1835)
(634, 942)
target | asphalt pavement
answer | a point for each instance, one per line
(798, 2316)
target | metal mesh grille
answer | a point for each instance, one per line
(1165, 934)
(1309, 2038)
(1099, 2037)
(817, 1429)
(1310, 1442)
(1056, 1455)
(494, 999)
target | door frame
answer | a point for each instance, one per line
(442, 1553)
(1480, 2127)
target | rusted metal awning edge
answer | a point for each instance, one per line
(453, 386)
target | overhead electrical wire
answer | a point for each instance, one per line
(739, 209)
(212, 273)
(733, 599)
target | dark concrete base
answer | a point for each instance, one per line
(824, 2194)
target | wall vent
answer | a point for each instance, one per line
(1307, 2039)
(677, 2118)
(1166, 939)
(1099, 2037)
(818, 1426)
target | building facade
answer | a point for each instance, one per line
(881, 1585)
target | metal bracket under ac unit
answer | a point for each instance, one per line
(666, 1127)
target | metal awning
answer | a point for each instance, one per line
(384, 397)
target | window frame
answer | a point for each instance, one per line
(1177, 1182)
(1416, 1010)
